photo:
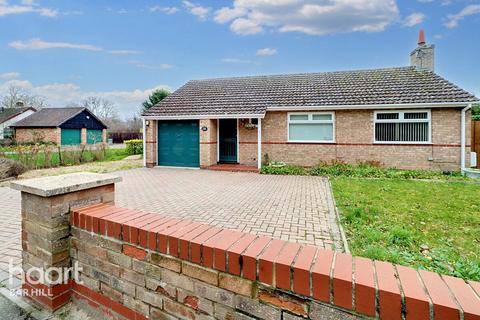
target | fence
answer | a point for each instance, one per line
(476, 140)
(137, 265)
(119, 137)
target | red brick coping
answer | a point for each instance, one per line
(352, 283)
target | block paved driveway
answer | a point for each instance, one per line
(294, 208)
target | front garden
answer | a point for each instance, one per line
(424, 219)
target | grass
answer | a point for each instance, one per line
(423, 224)
(418, 218)
(69, 158)
(364, 170)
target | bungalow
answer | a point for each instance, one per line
(407, 117)
(9, 116)
(62, 126)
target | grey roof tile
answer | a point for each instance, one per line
(9, 113)
(253, 95)
(49, 117)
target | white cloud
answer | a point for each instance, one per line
(414, 19)
(309, 16)
(235, 60)
(245, 27)
(197, 10)
(166, 10)
(37, 44)
(140, 64)
(267, 52)
(454, 19)
(124, 52)
(25, 6)
(62, 94)
(9, 75)
(226, 14)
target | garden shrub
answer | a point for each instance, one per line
(134, 146)
(10, 168)
(368, 169)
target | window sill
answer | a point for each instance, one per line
(400, 142)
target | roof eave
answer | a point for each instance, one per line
(205, 116)
(375, 106)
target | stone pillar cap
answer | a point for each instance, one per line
(57, 185)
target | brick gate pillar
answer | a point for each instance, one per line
(46, 206)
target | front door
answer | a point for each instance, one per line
(228, 140)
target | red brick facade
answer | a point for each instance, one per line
(138, 265)
(24, 135)
(181, 268)
(354, 135)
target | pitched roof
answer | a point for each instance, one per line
(49, 117)
(9, 113)
(253, 95)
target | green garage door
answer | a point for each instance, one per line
(94, 136)
(178, 143)
(71, 137)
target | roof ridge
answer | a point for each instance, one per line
(304, 73)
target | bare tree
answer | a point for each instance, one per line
(105, 109)
(17, 96)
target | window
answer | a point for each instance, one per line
(402, 126)
(311, 127)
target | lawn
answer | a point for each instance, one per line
(74, 157)
(433, 225)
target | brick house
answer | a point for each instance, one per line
(62, 126)
(407, 117)
(9, 116)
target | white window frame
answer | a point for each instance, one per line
(400, 120)
(310, 121)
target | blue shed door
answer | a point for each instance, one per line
(71, 137)
(178, 143)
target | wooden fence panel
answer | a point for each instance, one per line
(476, 140)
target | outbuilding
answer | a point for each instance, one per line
(63, 126)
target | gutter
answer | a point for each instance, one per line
(463, 138)
(372, 106)
(144, 134)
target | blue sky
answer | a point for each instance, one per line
(122, 50)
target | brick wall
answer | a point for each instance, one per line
(137, 265)
(208, 143)
(23, 135)
(151, 143)
(354, 142)
(161, 267)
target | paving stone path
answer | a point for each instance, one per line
(294, 208)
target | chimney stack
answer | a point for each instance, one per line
(423, 57)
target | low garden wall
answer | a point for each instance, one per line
(136, 265)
